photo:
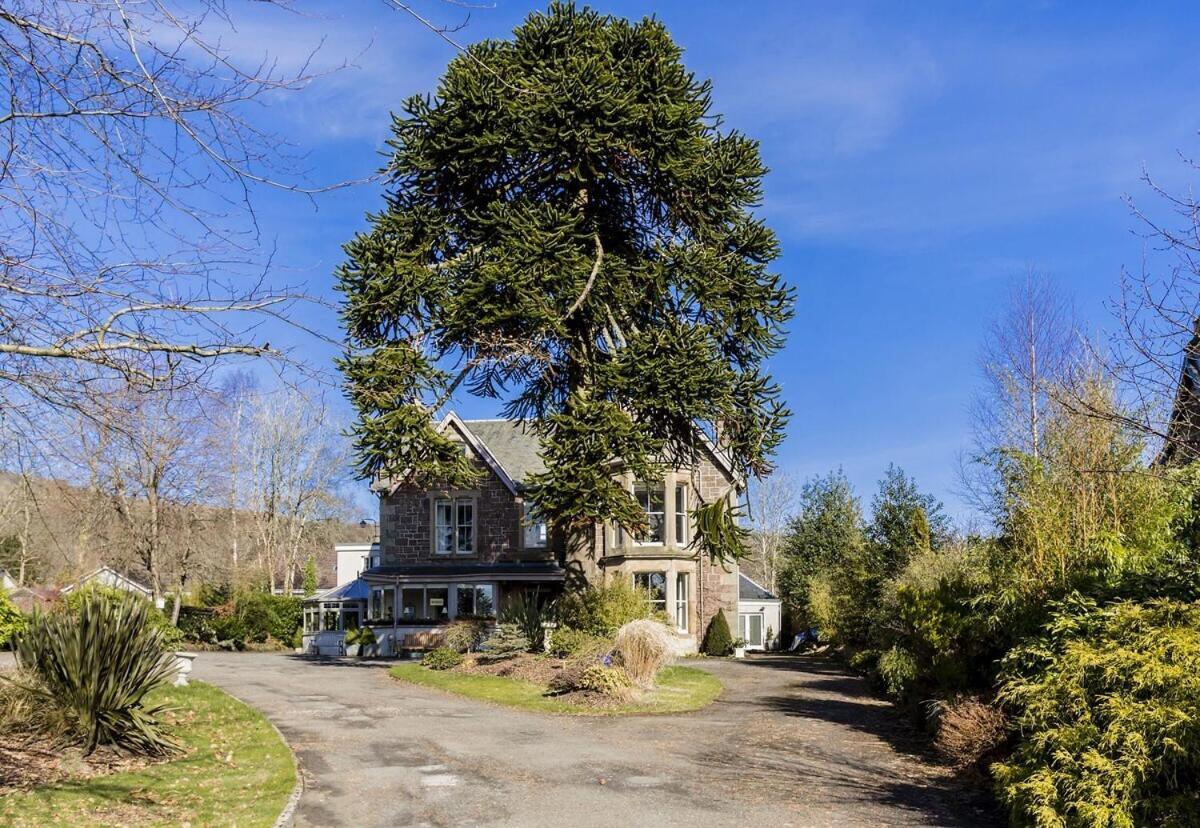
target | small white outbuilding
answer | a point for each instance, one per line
(759, 615)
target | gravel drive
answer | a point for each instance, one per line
(792, 741)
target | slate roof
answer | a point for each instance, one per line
(750, 591)
(514, 446)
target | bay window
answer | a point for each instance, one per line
(653, 586)
(454, 526)
(681, 515)
(682, 587)
(652, 498)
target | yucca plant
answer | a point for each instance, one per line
(98, 661)
(364, 637)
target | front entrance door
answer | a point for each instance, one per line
(752, 628)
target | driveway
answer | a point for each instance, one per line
(792, 741)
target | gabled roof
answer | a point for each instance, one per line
(109, 577)
(750, 590)
(512, 450)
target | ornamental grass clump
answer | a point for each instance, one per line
(643, 648)
(97, 662)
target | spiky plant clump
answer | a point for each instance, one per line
(717, 639)
(643, 648)
(98, 661)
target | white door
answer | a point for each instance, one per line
(752, 628)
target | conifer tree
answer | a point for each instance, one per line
(569, 229)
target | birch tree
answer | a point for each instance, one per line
(296, 459)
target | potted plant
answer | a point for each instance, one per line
(739, 648)
(360, 640)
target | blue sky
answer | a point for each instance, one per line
(922, 156)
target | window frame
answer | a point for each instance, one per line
(682, 524)
(683, 601)
(648, 489)
(454, 505)
(648, 589)
(529, 522)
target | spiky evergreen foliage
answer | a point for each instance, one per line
(569, 229)
(97, 660)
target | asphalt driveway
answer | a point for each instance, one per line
(792, 741)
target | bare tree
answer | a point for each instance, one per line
(773, 503)
(1156, 350)
(127, 163)
(296, 459)
(1030, 351)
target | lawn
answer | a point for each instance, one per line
(679, 690)
(236, 770)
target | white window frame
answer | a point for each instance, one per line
(456, 525)
(654, 603)
(683, 588)
(648, 488)
(682, 524)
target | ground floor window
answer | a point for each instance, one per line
(682, 587)
(312, 619)
(331, 620)
(752, 628)
(431, 603)
(476, 599)
(350, 619)
(383, 601)
(654, 586)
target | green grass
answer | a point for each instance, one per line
(237, 770)
(679, 690)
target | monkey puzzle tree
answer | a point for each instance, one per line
(569, 230)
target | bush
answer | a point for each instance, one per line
(506, 641)
(969, 731)
(170, 634)
(608, 681)
(97, 659)
(263, 615)
(442, 658)
(643, 648)
(717, 640)
(465, 636)
(529, 611)
(571, 643)
(1108, 704)
(898, 671)
(11, 619)
(602, 610)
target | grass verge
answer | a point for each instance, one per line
(236, 770)
(679, 690)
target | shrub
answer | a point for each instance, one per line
(170, 634)
(717, 640)
(602, 610)
(196, 624)
(11, 619)
(364, 637)
(571, 643)
(97, 661)
(506, 641)
(865, 661)
(229, 631)
(465, 636)
(567, 679)
(529, 611)
(607, 681)
(1108, 704)
(969, 731)
(898, 671)
(643, 648)
(442, 658)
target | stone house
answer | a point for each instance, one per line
(444, 554)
